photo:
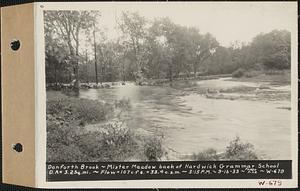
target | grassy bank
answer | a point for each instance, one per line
(69, 140)
(258, 86)
(274, 77)
(179, 80)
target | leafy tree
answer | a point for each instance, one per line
(55, 64)
(273, 49)
(68, 25)
(204, 47)
(132, 26)
(189, 48)
(157, 49)
(169, 40)
(220, 62)
(56, 59)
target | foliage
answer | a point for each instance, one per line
(153, 149)
(61, 146)
(151, 49)
(79, 110)
(68, 140)
(114, 143)
(206, 155)
(65, 27)
(253, 73)
(221, 62)
(65, 144)
(237, 150)
(90, 112)
(238, 73)
(273, 49)
(132, 26)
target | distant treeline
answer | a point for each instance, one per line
(77, 49)
(270, 51)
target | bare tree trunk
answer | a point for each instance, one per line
(86, 67)
(195, 70)
(103, 72)
(95, 54)
(171, 74)
(102, 64)
(77, 78)
(123, 71)
(55, 77)
(70, 76)
(76, 85)
(136, 60)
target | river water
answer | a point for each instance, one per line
(190, 122)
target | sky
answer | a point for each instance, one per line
(227, 22)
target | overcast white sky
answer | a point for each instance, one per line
(228, 22)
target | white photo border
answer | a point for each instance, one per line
(196, 183)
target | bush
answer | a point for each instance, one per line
(238, 150)
(117, 143)
(65, 153)
(61, 142)
(153, 149)
(253, 73)
(59, 132)
(70, 91)
(206, 155)
(114, 143)
(90, 111)
(68, 142)
(83, 111)
(238, 73)
(55, 106)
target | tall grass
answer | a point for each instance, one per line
(82, 110)
(69, 141)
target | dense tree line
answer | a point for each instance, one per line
(270, 51)
(77, 50)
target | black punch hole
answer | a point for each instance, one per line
(15, 45)
(18, 147)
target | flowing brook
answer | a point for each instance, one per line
(191, 121)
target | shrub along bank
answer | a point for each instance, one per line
(68, 140)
